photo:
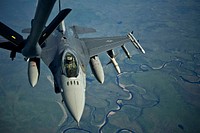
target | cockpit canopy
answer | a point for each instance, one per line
(69, 65)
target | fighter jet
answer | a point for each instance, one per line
(67, 56)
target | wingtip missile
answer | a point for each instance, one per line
(142, 50)
(135, 42)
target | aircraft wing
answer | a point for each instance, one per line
(8, 45)
(15, 39)
(96, 46)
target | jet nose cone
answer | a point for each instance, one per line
(74, 98)
(75, 102)
(101, 80)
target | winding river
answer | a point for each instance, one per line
(176, 63)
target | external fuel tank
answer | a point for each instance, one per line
(97, 68)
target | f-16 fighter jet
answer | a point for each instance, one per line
(66, 56)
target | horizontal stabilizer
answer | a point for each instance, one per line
(52, 26)
(26, 30)
(82, 30)
(10, 34)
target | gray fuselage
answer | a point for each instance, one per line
(69, 78)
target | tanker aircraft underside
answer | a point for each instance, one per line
(66, 56)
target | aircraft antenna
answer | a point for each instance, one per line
(78, 124)
(59, 6)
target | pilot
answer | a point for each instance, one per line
(70, 65)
